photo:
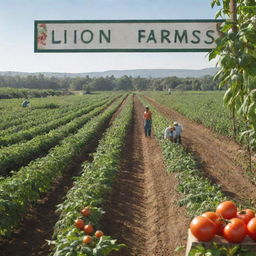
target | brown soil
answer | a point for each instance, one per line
(143, 210)
(37, 226)
(217, 156)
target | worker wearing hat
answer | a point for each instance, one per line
(170, 133)
(147, 121)
(178, 130)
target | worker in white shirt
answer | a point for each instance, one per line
(169, 133)
(178, 130)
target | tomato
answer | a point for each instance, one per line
(203, 228)
(221, 228)
(86, 212)
(235, 231)
(87, 239)
(243, 216)
(88, 229)
(249, 212)
(99, 234)
(227, 210)
(251, 228)
(79, 224)
(213, 216)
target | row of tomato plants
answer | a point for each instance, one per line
(199, 195)
(16, 120)
(14, 114)
(19, 154)
(51, 124)
(26, 185)
(91, 189)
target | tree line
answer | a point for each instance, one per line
(110, 83)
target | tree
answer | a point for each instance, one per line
(124, 83)
(236, 51)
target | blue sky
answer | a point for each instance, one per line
(17, 31)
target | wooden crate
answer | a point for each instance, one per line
(192, 242)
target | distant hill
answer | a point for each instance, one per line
(154, 73)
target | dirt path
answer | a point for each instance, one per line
(37, 227)
(143, 209)
(217, 155)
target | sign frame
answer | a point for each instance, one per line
(36, 22)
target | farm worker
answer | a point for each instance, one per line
(147, 121)
(25, 103)
(178, 130)
(169, 91)
(170, 133)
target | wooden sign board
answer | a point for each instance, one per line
(126, 35)
(192, 242)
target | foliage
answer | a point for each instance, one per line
(31, 132)
(236, 50)
(109, 83)
(91, 188)
(201, 250)
(19, 154)
(25, 186)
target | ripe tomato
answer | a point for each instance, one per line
(203, 228)
(251, 228)
(221, 228)
(250, 213)
(87, 239)
(235, 231)
(86, 212)
(88, 229)
(99, 234)
(243, 216)
(227, 210)
(79, 224)
(213, 216)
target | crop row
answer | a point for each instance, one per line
(26, 185)
(199, 194)
(20, 119)
(28, 134)
(20, 154)
(204, 108)
(91, 189)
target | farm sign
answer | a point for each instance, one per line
(126, 35)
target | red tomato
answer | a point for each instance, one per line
(213, 216)
(249, 212)
(86, 212)
(203, 228)
(88, 229)
(243, 216)
(227, 210)
(79, 224)
(251, 228)
(235, 231)
(221, 228)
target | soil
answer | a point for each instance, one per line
(37, 226)
(217, 156)
(143, 210)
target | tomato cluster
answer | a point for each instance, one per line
(87, 228)
(226, 221)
